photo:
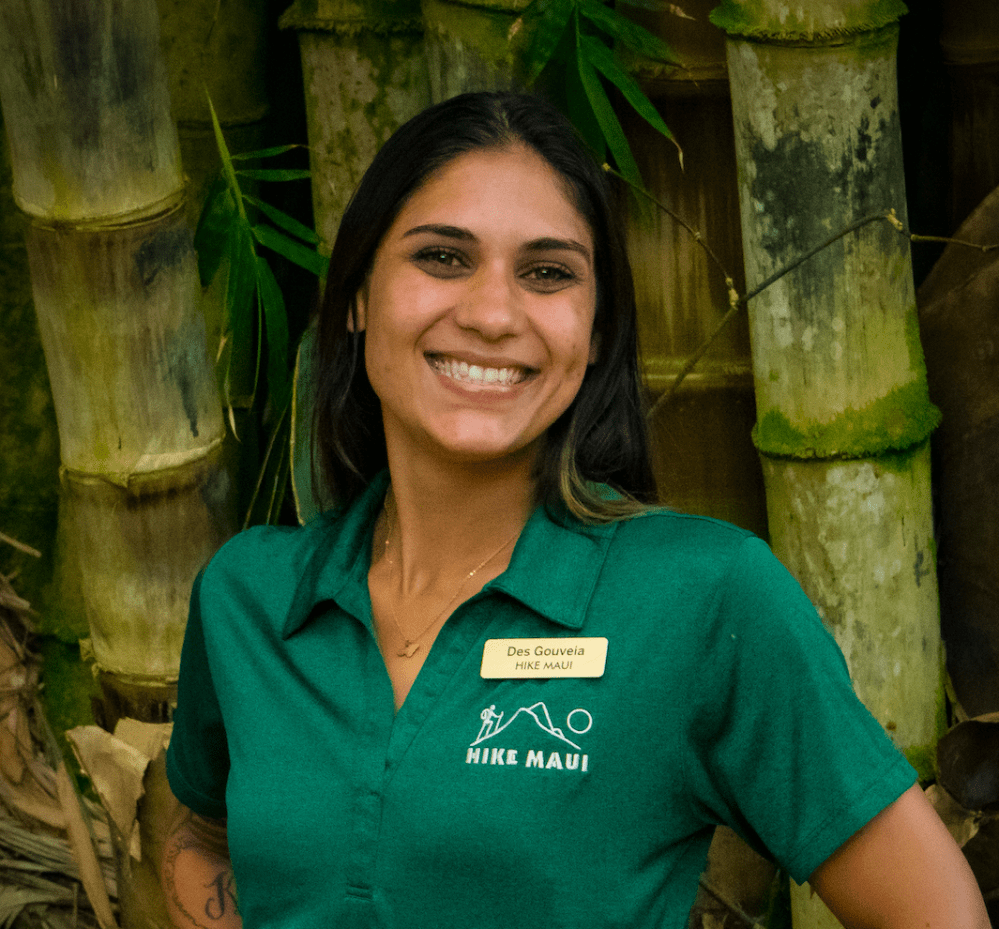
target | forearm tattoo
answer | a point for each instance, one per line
(218, 899)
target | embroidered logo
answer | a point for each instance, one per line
(525, 723)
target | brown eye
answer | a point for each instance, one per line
(440, 262)
(551, 273)
(549, 277)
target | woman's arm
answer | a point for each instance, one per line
(901, 871)
(197, 874)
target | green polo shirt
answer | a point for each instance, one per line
(538, 802)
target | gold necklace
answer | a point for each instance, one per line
(413, 644)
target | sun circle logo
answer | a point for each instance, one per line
(579, 723)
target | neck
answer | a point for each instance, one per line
(445, 520)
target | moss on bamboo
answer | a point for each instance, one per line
(758, 19)
(482, 26)
(352, 17)
(924, 757)
(898, 421)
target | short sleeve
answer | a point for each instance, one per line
(783, 751)
(198, 755)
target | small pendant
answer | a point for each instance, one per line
(409, 649)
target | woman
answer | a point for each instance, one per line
(494, 689)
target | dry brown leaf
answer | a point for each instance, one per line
(82, 846)
(117, 770)
(11, 760)
(30, 800)
(147, 738)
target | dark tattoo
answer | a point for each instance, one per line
(202, 836)
(225, 892)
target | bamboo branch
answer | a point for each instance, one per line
(20, 546)
(735, 301)
(947, 240)
(739, 302)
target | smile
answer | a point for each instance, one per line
(478, 375)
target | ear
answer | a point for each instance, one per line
(357, 312)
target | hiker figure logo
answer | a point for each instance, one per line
(492, 745)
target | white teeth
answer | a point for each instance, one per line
(476, 374)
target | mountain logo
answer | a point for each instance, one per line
(525, 723)
(493, 725)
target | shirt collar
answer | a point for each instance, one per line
(337, 567)
(553, 570)
(555, 566)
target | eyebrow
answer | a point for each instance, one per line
(449, 232)
(545, 244)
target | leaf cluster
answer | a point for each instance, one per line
(235, 234)
(574, 51)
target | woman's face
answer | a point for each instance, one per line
(478, 309)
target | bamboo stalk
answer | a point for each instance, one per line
(97, 169)
(364, 75)
(469, 47)
(86, 109)
(843, 411)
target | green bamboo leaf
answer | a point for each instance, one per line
(281, 478)
(228, 172)
(214, 227)
(288, 223)
(267, 152)
(276, 326)
(242, 370)
(549, 20)
(608, 121)
(295, 252)
(579, 111)
(269, 473)
(628, 33)
(275, 174)
(602, 58)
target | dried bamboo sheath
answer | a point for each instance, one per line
(97, 169)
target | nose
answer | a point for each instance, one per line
(491, 305)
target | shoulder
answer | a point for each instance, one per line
(264, 564)
(676, 564)
(249, 552)
(661, 539)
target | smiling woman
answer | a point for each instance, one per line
(494, 628)
(478, 313)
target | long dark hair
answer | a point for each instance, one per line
(601, 437)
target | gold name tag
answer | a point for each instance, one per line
(509, 658)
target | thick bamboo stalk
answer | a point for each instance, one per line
(97, 169)
(843, 412)
(144, 543)
(469, 45)
(365, 74)
(86, 109)
(118, 310)
(196, 35)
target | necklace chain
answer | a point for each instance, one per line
(413, 644)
